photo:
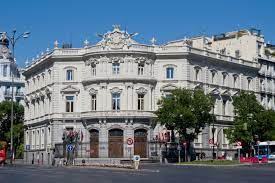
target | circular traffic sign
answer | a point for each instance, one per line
(239, 143)
(130, 141)
(70, 148)
(210, 141)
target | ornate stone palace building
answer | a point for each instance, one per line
(109, 91)
(7, 68)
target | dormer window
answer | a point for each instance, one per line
(170, 73)
(69, 75)
(237, 54)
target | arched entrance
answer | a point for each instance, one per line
(140, 142)
(115, 143)
(94, 143)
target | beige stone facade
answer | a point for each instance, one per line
(109, 91)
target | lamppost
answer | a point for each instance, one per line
(13, 40)
(213, 135)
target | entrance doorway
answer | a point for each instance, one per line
(115, 143)
(94, 143)
(140, 142)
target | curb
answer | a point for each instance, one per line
(205, 165)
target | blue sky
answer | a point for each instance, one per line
(77, 20)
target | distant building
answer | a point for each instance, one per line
(7, 67)
(109, 91)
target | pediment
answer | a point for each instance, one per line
(168, 87)
(70, 89)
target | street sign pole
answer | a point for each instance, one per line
(239, 155)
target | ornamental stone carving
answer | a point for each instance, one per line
(116, 90)
(70, 89)
(116, 59)
(116, 39)
(92, 91)
(92, 61)
(141, 91)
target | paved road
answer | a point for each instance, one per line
(150, 173)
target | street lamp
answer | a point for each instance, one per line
(13, 40)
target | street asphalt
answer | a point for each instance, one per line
(149, 173)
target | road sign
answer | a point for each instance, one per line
(28, 147)
(70, 148)
(239, 143)
(130, 141)
(136, 158)
(210, 141)
(184, 143)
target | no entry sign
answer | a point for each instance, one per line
(130, 142)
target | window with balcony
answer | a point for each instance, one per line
(140, 102)
(93, 70)
(140, 69)
(116, 101)
(69, 103)
(169, 73)
(116, 68)
(69, 75)
(93, 102)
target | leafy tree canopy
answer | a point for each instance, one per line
(186, 111)
(5, 124)
(251, 120)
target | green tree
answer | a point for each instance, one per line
(251, 120)
(5, 124)
(186, 111)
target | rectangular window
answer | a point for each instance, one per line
(197, 72)
(116, 68)
(93, 70)
(93, 102)
(224, 79)
(224, 107)
(5, 70)
(169, 73)
(140, 102)
(116, 101)
(69, 103)
(140, 69)
(213, 77)
(248, 83)
(235, 81)
(69, 75)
